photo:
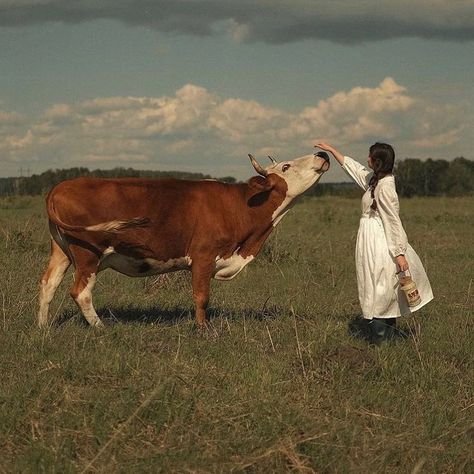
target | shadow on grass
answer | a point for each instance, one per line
(153, 315)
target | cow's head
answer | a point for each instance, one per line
(299, 174)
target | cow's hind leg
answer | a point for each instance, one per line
(58, 264)
(84, 281)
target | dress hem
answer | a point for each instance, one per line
(411, 311)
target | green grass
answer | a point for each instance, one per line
(278, 385)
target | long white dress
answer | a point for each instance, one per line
(380, 239)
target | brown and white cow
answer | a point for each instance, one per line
(142, 227)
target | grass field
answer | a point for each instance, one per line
(279, 385)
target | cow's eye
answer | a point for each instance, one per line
(285, 167)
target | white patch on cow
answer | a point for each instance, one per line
(117, 225)
(276, 217)
(299, 175)
(140, 267)
(47, 290)
(84, 301)
(228, 268)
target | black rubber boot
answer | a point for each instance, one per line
(383, 329)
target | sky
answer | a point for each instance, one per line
(195, 85)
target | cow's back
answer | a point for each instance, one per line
(180, 213)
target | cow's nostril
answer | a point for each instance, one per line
(322, 154)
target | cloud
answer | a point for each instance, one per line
(279, 21)
(237, 119)
(198, 130)
(359, 114)
(9, 119)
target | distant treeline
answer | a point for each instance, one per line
(435, 177)
(419, 178)
(414, 178)
(41, 183)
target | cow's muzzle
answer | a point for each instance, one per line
(325, 166)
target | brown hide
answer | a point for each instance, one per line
(183, 217)
(161, 219)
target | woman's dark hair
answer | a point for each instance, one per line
(383, 158)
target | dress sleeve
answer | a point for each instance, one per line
(388, 208)
(359, 173)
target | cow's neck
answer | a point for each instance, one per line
(263, 218)
(282, 210)
(270, 210)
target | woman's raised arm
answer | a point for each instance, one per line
(358, 172)
(327, 147)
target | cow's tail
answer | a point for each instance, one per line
(112, 227)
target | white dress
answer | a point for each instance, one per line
(380, 239)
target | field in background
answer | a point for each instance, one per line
(280, 384)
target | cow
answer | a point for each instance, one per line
(142, 227)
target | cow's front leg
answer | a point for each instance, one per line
(201, 282)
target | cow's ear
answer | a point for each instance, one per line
(259, 188)
(259, 184)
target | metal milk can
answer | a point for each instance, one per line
(408, 286)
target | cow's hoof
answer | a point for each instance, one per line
(203, 327)
(206, 329)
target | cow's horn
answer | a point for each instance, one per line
(257, 166)
(272, 160)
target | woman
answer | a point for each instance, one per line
(382, 248)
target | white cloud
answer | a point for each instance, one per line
(237, 119)
(10, 121)
(359, 114)
(237, 31)
(441, 139)
(201, 131)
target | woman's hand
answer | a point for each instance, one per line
(328, 147)
(402, 263)
(325, 146)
